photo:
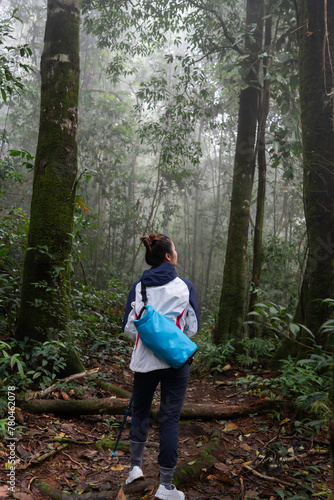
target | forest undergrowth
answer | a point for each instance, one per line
(260, 432)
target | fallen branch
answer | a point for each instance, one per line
(108, 406)
(54, 387)
(35, 460)
(109, 444)
(59, 439)
(300, 457)
(113, 389)
(271, 479)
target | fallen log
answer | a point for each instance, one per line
(128, 489)
(108, 406)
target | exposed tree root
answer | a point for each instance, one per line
(186, 473)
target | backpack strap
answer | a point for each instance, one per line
(144, 296)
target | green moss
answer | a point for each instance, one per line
(44, 309)
(188, 472)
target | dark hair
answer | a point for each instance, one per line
(157, 245)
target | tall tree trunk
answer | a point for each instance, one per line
(262, 171)
(316, 47)
(44, 308)
(316, 101)
(232, 300)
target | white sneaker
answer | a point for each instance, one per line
(135, 473)
(165, 494)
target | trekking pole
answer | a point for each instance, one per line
(113, 453)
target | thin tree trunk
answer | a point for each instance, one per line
(262, 172)
(151, 216)
(232, 300)
(215, 219)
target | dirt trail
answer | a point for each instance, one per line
(259, 456)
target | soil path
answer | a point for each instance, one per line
(261, 456)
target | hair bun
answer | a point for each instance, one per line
(157, 245)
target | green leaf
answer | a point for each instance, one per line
(294, 329)
(307, 330)
(14, 152)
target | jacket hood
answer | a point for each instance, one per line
(160, 275)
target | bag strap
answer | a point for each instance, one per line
(144, 295)
(143, 292)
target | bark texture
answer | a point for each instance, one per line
(316, 44)
(44, 308)
(232, 300)
(107, 406)
(316, 48)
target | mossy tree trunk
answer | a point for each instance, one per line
(316, 50)
(232, 299)
(44, 310)
(316, 46)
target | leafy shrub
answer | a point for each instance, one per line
(307, 381)
(209, 357)
(13, 236)
(253, 349)
(306, 376)
(29, 362)
(278, 322)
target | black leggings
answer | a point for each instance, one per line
(173, 389)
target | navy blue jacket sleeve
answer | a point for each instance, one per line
(192, 297)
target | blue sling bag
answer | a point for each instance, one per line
(163, 337)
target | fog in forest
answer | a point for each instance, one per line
(156, 153)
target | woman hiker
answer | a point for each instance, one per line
(175, 298)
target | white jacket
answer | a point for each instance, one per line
(170, 295)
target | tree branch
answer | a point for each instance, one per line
(202, 7)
